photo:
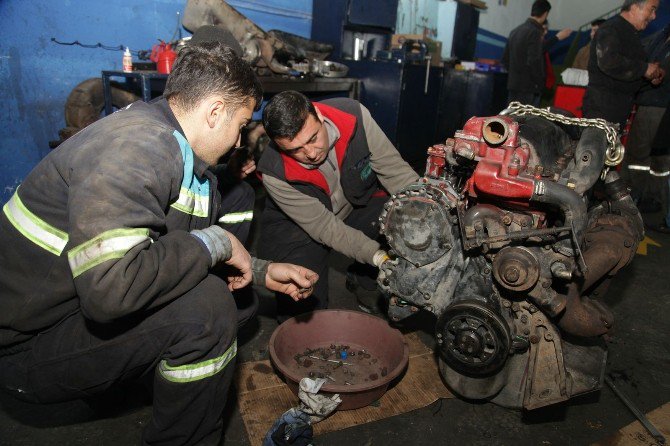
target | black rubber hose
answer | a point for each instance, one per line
(622, 203)
(571, 204)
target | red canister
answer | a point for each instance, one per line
(164, 56)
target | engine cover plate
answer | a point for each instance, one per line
(417, 225)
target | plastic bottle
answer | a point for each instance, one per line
(127, 61)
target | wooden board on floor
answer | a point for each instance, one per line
(635, 434)
(263, 396)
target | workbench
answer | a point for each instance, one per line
(152, 82)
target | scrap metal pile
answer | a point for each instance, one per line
(273, 52)
(511, 239)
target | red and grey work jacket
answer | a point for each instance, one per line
(359, 182)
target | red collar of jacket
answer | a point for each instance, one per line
(346, 124)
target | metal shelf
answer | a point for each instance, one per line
(271, 84)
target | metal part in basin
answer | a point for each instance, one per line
(343, 327)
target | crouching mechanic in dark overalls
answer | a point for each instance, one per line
(328, 174)
(107, 249)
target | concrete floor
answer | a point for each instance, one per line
(639, 358)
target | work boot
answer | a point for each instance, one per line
(369, 301)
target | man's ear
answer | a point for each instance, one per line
(318, 114)
(215, 110)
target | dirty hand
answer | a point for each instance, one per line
(296, 281)
(563, 34)
(240, 260)
(241, 163)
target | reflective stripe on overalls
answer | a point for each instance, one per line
(34, 228)
(194, 372)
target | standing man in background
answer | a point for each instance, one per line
(581, 61)
(524, 57)
(547, 44)
(618, 64)
(651, 101)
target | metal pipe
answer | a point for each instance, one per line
(658, 436)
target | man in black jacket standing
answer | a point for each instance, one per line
(618, 64)
(524, 58)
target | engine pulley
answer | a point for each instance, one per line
(516, 268)
(473, 338)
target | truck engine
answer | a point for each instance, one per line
(511, 239)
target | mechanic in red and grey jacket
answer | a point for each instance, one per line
(107, 250)
(328, 173)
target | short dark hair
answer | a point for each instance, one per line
(598, 22)
(211, 68)
(628, 3)
(540, 7)
(286, 113)
(215, 33)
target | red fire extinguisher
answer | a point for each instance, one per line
(164, 56)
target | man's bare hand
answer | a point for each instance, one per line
(296, 281)
(563, 34)
(240, 261)
(653, 71)
(241, 163)
(659, 79)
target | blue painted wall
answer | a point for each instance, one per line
(36, 75)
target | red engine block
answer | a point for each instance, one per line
(502, 160)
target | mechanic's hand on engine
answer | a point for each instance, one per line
(379, 258)
(296, 281)
(241, 163)
(240, 260)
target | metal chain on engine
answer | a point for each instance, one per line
(615, 150)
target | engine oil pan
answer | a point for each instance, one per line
(382, 355)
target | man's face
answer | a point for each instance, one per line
(225, 130)
(310, 145)
(642, 14)
(593, 31)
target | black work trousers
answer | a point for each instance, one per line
(525, 97)
(189, 346)
(282, 240)
(611, 106)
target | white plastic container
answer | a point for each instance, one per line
(127, 61)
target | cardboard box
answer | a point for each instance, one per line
(435, 51)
